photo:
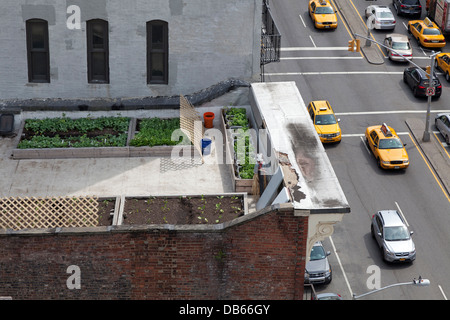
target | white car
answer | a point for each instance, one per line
(401, 46)
(384, 19)
(442, 122)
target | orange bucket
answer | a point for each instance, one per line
(208, 117)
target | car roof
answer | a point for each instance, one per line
(323, 3)
(322, 107)
(423, 73)
(381, 8)
(398, 37)
(380, 132)
(391, 218)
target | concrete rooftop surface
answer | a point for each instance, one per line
(130, 176)
(109, 176)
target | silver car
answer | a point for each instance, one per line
(442, 122)
(400, 43)
(384, 19)
(393, 237)
(317, 269)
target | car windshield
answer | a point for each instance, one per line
(317, 253)
(431, 32)
(324, 119)
(401, 46)
(396, 233)
(385, 15)
(411, 2)
(324, 10)
(390, 144)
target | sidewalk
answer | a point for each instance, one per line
(433, 151)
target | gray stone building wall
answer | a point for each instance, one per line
(209, 42)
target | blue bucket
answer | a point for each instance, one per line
(206, 146)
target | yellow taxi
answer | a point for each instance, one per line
(387, 147)
(325, 121)
(322, 14)
(427, 33)
(443, 62)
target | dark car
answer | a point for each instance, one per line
(416, 78)
(408, 7)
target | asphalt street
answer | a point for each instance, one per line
(367, 89)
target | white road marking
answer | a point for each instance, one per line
(333, 73)
(344, 135)
(320, 58)
(312, 42)
(363, 113)
(365, 144)
(313, 48)
(302, 20)
(401, 212)
(442, 291)
(342, 268)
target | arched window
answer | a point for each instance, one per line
(157, 52)
(38, 50)
(97, 51)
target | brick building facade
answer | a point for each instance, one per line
(258, 256)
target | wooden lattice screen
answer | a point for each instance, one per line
(48, 212)
(191, 123)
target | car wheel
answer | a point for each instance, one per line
(418, 42)
(404, 78)
(372, 232)
(447, 76)
(378, 163)
(436, 65)
(416, 93)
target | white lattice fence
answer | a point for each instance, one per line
(49, 212)
(191, 123)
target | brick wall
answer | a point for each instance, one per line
(259, 256)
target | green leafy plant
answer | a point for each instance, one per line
(157, 132)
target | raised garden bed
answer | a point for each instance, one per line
(177, 210)
(96, 137)
(235, 123)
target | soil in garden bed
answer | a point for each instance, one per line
(106, 211)
(28, 134)
(182, 210)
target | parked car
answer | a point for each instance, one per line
(392, 236)
(442, 122)
(442, 62)
(386, 146)
(401, 46)
(317, 269)
(408, 7)
(416, 78)
(328, 296)
(427, 33)
(384, 19)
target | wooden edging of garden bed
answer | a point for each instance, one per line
(96, 152)
(240, 185)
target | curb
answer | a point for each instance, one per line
(432, 153)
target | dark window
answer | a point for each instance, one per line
(38, 51)
(97, 51)
(157, 52)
